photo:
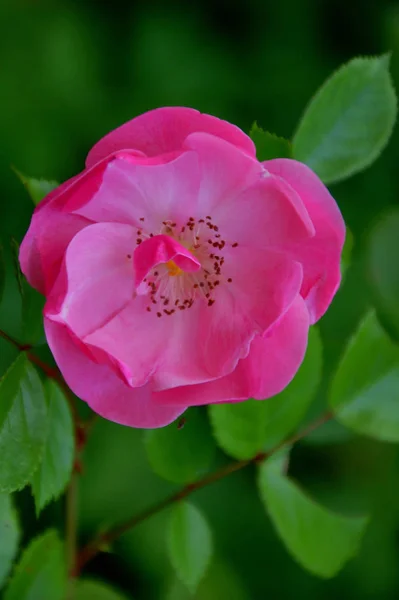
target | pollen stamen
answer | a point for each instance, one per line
(168, 284)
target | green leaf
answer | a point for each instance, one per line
(51, 478)
(349, 120)
(41, 572)
(32, 303)
(268, 145)
(243, 429)
(286, 411)
(181, 454)
(383, 268)
(189, 544)
(239, 428)
(88, 589)
(36, 188)
(221, 582)
(330, 433)
(2, 272)
(365, 390)
(346, 252)
(23, 424)
(321, 541)
(9, 536)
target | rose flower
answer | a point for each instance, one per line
(178, 270)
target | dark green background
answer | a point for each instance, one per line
(71, 70)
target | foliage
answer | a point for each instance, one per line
(355, 370)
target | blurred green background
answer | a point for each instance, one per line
(70, 71)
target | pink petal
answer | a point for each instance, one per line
(191, 346)
(105, 393)
(264, 283)
(51, 196)
(99, 277)
(269, 214)
(275, 358)
(320, 255)
(146, 195)
(52, 228)
(44, 245)
(225, 170)
(162, 249)
(208, 341)
(78, 190)
(135, 339)
(164, 130)
(269, 367)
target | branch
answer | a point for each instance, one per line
(94, 547)
(11, 340)
(71, 522)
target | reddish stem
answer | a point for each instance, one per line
(94, 546)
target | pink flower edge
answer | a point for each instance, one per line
(180, 271)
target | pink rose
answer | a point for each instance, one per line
(178, 270)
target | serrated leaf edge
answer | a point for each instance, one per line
(27, 552)
(383, 59)
(15, 515)
(10, 490)
(56, 496)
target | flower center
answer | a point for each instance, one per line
(180, 265)
(173, 269)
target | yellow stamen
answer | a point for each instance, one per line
(173, 269)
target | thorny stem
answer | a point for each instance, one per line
(94, 547)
